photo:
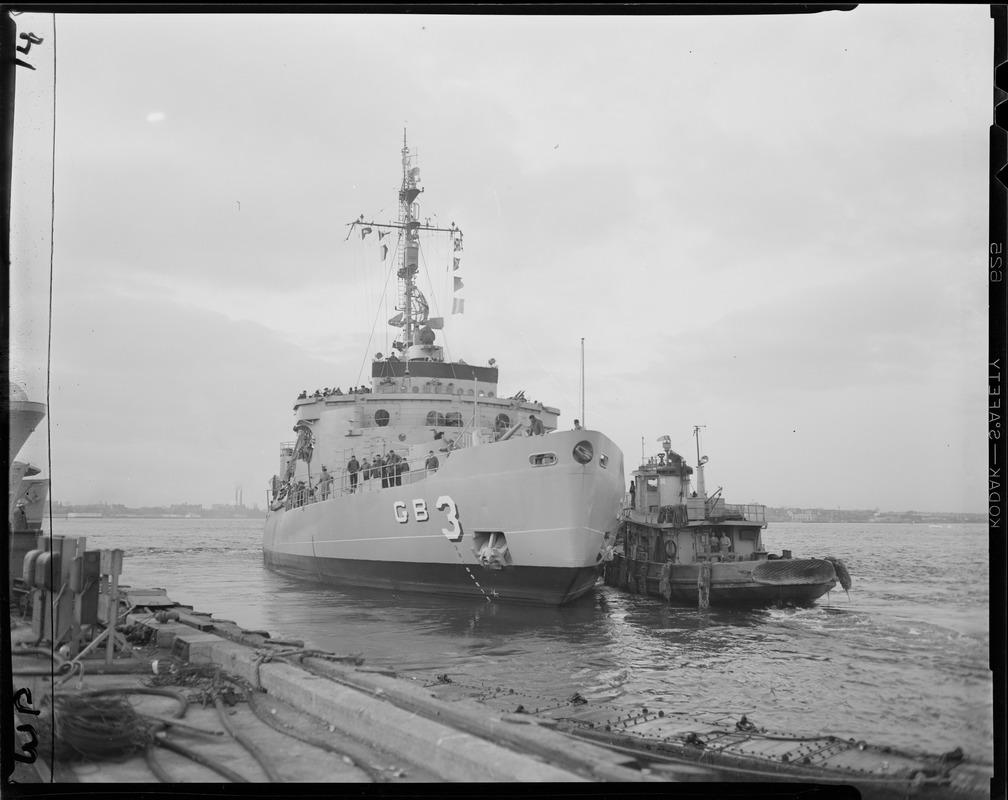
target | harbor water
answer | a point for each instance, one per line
(902, 661)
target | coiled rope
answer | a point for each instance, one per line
(88, 726)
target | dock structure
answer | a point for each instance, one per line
(221, 702)
(208, 700)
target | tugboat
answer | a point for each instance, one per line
(681, 545)
(426, 479)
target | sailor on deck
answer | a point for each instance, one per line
(725, 544)
(353, 466)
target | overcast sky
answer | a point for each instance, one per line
(773, 226)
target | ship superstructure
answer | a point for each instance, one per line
(426, 479)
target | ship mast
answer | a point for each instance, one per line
(413, 318)
(409, 257)
(701, 460)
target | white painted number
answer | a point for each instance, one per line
(455, 534)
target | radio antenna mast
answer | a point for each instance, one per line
(584, 424)
(696, 433)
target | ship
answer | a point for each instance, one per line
(26, 491)
(426, 479)
(678, 544)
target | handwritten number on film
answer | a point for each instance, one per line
(29, 748)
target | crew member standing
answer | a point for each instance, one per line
(394, 473)
(725, 543)
(353, 466)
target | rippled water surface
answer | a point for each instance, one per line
(902, 661)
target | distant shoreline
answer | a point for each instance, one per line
(74, 515)
(773, 515)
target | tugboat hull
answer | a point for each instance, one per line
(730, 584)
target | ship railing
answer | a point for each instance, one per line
(375, 478)
(752, 512)
(370, 480)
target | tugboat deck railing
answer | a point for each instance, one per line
(726, 512)
(752, 512)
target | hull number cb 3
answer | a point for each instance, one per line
(421, 514)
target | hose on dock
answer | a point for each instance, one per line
(187, 677)
(62, 666)
(358, 755)
(155, 766)
(197, 676)
(216, 685)
(163, 741)
(244, 740)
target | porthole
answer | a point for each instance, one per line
(416, 389)
(381, 417)
(603, 460)
(543, 459)
(583, 452)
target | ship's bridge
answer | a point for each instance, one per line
(420, 373)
